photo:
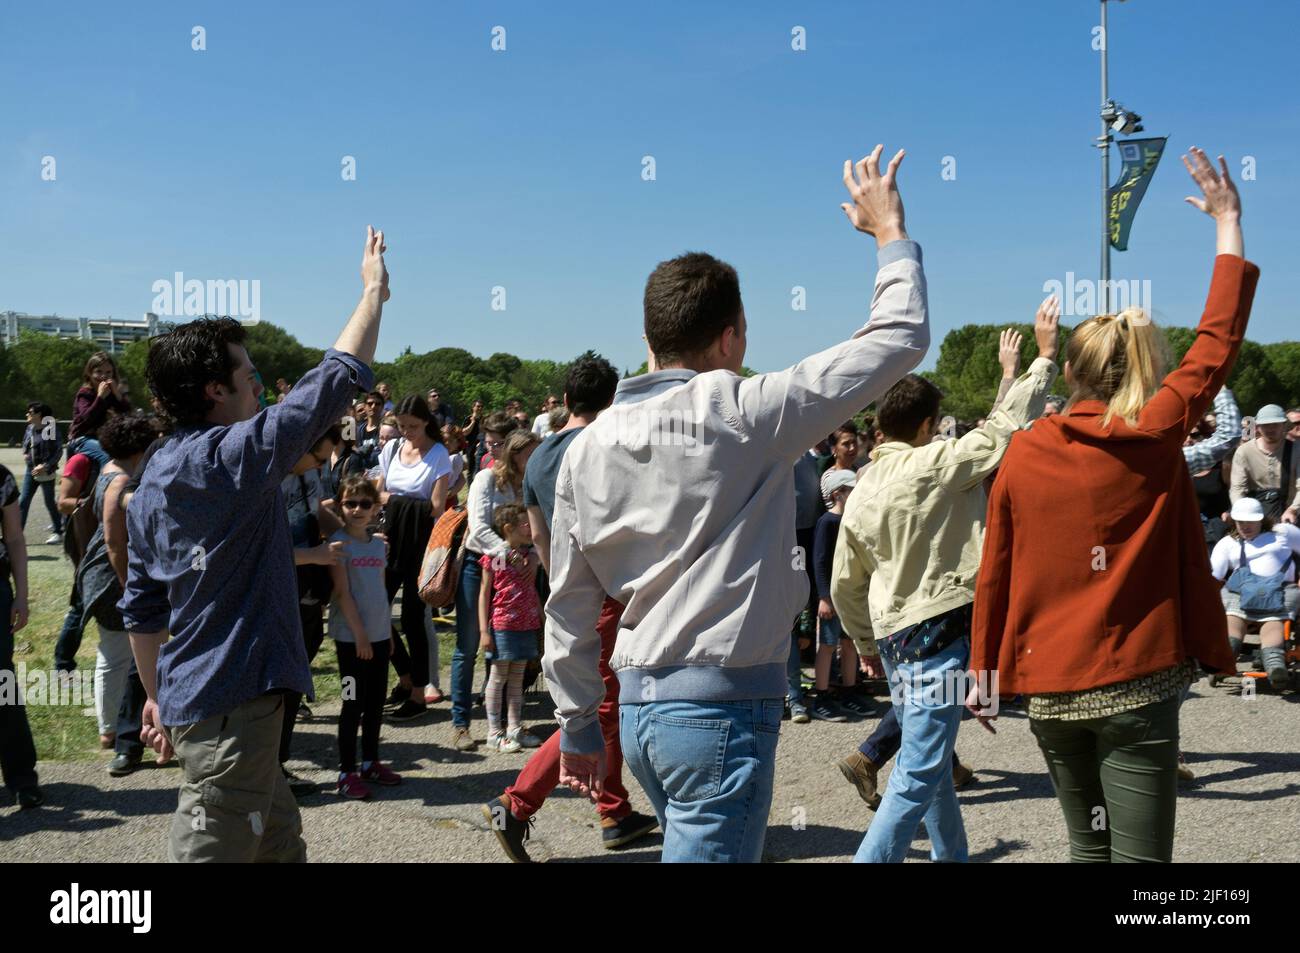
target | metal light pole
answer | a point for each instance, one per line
(1104, 145)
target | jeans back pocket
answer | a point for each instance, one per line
(687, 755)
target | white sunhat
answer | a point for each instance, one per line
(1271, 414)
(1247, 510)
(832, 480)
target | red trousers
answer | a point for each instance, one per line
(542, 773)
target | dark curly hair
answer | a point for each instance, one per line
(184, 361)
(125, 435)
(590, 384)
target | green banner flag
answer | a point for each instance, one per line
(1140, 157)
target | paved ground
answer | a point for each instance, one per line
(1245, 805)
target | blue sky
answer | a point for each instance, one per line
(523, 168)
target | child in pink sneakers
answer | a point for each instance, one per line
(360, 622)
(510, 619)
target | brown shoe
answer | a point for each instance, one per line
(961, 775)
(860, 771)
(461, 740)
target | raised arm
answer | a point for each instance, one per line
(1009, 359)
(1227, 434)
(794, 408)
(1186, 392)
(361, 334)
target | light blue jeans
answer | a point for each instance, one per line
(708, 769)
(920, 786)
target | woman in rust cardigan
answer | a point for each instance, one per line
(1095, 597)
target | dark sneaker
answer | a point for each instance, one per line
(856, 704)
(823, 708)
(1279, 677)
(397, 696)
(124, 764)
(303, 711)
(380, 773)
(30, 797)
(961, 775)
(860, 771)
(799, 715)
(618, 833)
(461, 741)
(299, 786)
(511, 832)
(408, 711)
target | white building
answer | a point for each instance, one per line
(109, 334)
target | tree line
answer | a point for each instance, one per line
(46, 368)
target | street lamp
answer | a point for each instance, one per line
(1114, 117)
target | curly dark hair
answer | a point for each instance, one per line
(185, 360)
(125, 435)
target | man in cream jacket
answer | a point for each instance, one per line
(904, 573)
(679, 503)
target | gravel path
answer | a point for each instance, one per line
(1244, 806)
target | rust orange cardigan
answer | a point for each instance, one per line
(1095, 568)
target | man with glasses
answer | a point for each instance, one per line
(441, 410)
(368, 434)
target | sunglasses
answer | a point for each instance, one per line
(357, 504)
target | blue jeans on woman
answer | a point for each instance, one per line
(467, 638)
(708, 769)
(920, 787)
(30, 483)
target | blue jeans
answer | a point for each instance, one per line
(467, 636)
(708, 769)
(920, 786)
(90, 447)
(47, 490)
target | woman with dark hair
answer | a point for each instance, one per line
(414, 472)
(1096, 601)
(41, 454)
(99, 397)
(101, 576)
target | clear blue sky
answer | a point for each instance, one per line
(523, 168)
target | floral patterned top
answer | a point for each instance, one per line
(1107, 700)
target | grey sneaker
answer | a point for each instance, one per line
(799, 715)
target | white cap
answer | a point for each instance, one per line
(1247, 510)
(832, 480)
(1271, 414)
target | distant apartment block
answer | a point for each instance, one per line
(109, 334)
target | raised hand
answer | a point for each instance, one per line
(877, 208)
(1221, 198)
(373, 270)
(1009, 352)
(1047, 327)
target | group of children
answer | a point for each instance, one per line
(360, 625)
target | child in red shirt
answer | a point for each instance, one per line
(510, 618)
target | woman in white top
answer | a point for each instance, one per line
(503, 483)
(414, 472)
(1269, 550)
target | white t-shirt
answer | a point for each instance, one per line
(457, 465)
(542, 424)
(1266, 553)
(416, 480)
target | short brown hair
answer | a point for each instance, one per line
(689, 301)
(358, 486)
(907, 405)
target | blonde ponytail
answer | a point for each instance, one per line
(1119, 359)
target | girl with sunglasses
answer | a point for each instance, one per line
(360, 613)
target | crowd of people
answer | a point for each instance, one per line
(1095, 553)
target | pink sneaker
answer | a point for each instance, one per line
(351, 786)
(381, 773)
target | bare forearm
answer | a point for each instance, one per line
(1228, 240)
(361, 335)
(145, 646)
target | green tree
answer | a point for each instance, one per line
(47, 368)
